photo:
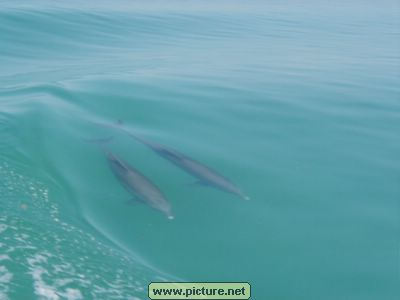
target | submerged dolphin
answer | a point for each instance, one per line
(204, 174)
(137, 184)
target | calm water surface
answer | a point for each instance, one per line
(297, 102)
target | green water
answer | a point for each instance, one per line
(297, 103)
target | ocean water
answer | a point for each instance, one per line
(297, 102)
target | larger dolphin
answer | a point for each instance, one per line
(140, 186)
(205, 175)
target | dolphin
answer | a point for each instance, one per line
(137, 184)
(204, 175)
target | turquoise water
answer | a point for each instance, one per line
(297, 102)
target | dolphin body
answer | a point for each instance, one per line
(137, 184)
(202, 173)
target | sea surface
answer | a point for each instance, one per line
(296, 102)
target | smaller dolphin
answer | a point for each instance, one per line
(137, 184)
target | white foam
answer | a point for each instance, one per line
(3, 228)
(4, 257)
(41, 288)
(5, 275)
(5, 279)
(72, 294)
(37, 239)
